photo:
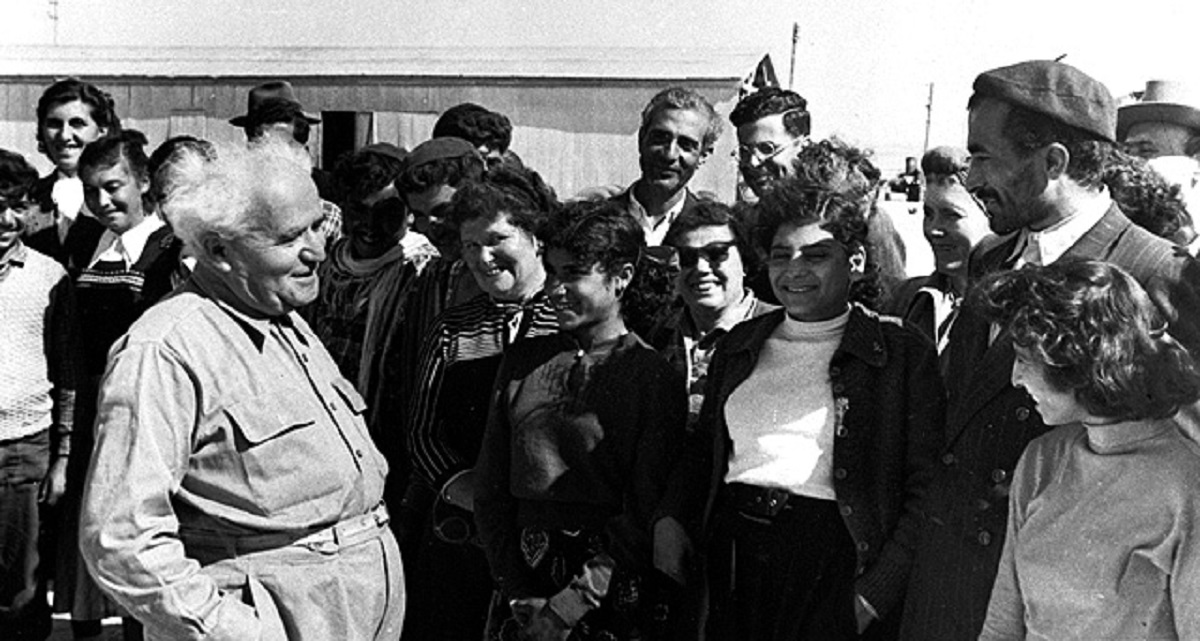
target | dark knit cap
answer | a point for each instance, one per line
(1056, 90)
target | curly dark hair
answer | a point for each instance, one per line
(108, 150)
(1096, 332)
(769, 101)
(841, 213)
(365, 171)
(442, 171)
(104, 111)
(1146, 197)
(710, 213)
(1029, 131)
(602, 233)
(520, 193)
(17, 176)
(475, 124)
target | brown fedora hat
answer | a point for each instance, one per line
(270, 92)
(1163, 101)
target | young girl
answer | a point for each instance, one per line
(582, 426)
(814, 446)
(1104, 514)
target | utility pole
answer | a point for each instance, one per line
(54, 19)
(928, 119)
(795, 41)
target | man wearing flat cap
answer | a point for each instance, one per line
(234, 492)
(1039, 135)
(274, 113)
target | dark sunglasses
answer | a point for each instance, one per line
(714, 253)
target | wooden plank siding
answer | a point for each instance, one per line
(576, 132)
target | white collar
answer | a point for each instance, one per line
(128, 246)
(655, 232)
(1054, 241)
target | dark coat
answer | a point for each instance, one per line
(41, 232)
(884, 449)
(989, 423)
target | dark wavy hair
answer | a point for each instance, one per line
(769, 101)
(442, 171)
(365, 171)
(17, 176)
(710, 213)
(108, 150)
(841, 213)
(104, 111)
(475, 124)
(520, 193)
(1096, 331)
(602, 233)
(1029, 131)
(1146, 197)
(682, 99)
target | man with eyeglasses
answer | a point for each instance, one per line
(772, 124)
(679, 129)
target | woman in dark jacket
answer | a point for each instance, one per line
(815, 443)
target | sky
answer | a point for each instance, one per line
(865, 66)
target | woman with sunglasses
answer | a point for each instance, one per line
(1102, 526)
(581, 428)
(708, 247)
(815, 443)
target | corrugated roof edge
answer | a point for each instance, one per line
(530, 62)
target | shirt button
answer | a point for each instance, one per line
(846, 510)
(998, 476)
(842, 432)
(948, 459)
(863, 546)
(984, 538)
(838, 388)
(983, 505)
(835, 371)
(839, 473)
(358, 453)
(1022, 413)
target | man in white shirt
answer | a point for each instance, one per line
(679, 129)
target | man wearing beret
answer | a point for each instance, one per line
(1039, 135)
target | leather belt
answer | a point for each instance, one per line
(344, 534)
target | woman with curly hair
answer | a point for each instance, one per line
(1102, 528)
(71, 114)
(583, 424)
(815, 443)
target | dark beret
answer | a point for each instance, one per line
(1053, 89)
(437, 149)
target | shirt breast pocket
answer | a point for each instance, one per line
(285, 454)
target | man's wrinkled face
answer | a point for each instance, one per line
(671, 148)
(766, 152)
(1153, 139)
(272, 269)
(1008, 183)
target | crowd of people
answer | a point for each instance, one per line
(422, 396)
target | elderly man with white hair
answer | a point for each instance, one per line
(234, 492)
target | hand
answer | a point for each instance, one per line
(54, 485)
(460, 491)
(862, 614)
(672, 549)
(537, 622)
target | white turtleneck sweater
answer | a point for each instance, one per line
(782, 417)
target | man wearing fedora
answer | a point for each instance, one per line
(1164, 122)
(1039, 134)
(273, 112)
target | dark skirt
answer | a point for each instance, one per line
(785, 576)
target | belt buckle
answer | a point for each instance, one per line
(766, 502)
